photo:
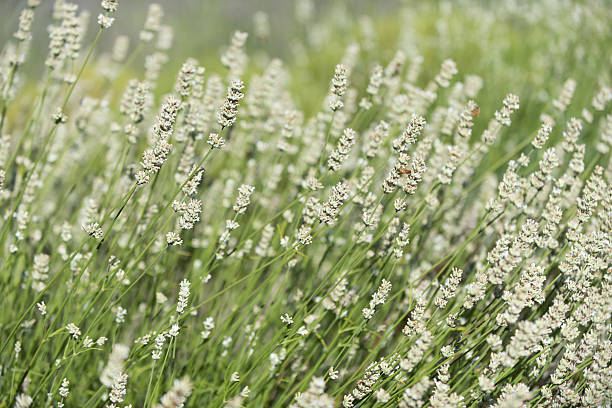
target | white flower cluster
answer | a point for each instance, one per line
(153, 159)
(378, 298)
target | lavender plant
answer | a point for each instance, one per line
(402, 232)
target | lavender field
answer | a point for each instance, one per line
(305, 204)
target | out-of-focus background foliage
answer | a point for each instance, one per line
(515, 46)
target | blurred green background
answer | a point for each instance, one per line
(522, 47)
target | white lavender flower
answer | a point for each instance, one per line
(63, 389)
(183, 296)
(26, 18)
(378, 298)
(173, 238)
(565, 97)
(118, 390)
(110, 6)
(447, 71)
(227, 113)
(602, 97)
(153, 159)
(177, 396)
(74, 331)
(329, 211)
(286, 319)
(244, 198)
(415, 324)
(375, 82)
(339, 155)
(502, 118)
(105, 21)
(449, 289)
(410, 134)
(235, 58)
(338, 87)
(543, 133)
(189, 212)
(152, 23)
